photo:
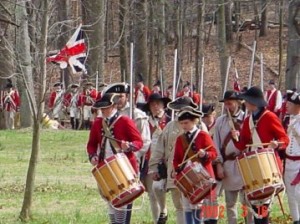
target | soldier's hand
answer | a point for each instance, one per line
(201, 153)
(125, 145)
(155, 176)
(94, 160)
(220, 171)
(235, 134)
(274, 144)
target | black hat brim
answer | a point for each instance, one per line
(178, 106)
(259, 102)
(164, 100)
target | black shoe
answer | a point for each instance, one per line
(162, 218)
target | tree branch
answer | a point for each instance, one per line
(8, 21)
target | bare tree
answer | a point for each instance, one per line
(93, 15)
(293, 50)
(223, 54)
(37, 105)
(264, 19)
(123, 32)
(140, 38)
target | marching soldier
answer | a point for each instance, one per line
(261, 126)
(191, 143)
(273, 98)
(142, 92)
(73, 103)
(11, 105)
(164, 152)
(56, 102)
(158, 119)
(227, 167)
(190, 92)
(292, 158)
(99, 147)
(88, 98)
(209, 117)
(156, 88)
(139, 117)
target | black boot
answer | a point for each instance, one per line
(162, 218)
(77, 124)
(72, 120)
(87, 125)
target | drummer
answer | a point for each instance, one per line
(99, 147)
(292, 162)
(199, 140)
(261, 126)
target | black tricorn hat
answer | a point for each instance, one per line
(230, 95)
(139, 78)
(208, 108)
(107, 100)
(57, 84)
(74, 85)
(156, 97)
(189, 113)
(255, 96)
(89, 84)
(9, 85)
(293, 97)
(271, 82)
(158, 83)
(121, 87)
(182, 102)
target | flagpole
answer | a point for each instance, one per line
(161, 83)
(226, 80)
(252, 65)
(131, 81)
(177, 84)
(201, 84)
(174, 80)
(97, 84)
(261, 72)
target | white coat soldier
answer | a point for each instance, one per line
(292, 163)
(140, 118)
(158, 119)
(227, 167)
(56, 102)
(164, 151)
(73, 102)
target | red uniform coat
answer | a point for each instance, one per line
(68, 97)
(195, 96)
(51, 103)
(268, 128)
(88, 97)
(202, 141)
(271, 99)
(10, 100)
(123, 129)
(146, 91)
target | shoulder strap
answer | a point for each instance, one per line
(115, 146)
(254, 135)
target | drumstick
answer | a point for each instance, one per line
(194, 155)
(232, 125)
(120, 141)
(261, 144)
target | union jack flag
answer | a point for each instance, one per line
(72, 54)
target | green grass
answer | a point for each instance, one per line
(65, 190)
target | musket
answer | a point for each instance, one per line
(174, 80)
(232, 124)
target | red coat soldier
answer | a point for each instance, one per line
(88, 98)
(273, 98)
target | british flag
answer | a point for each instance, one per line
(73, 53)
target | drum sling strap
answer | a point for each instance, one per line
(254, 135)
(187, 146)
(114, 145)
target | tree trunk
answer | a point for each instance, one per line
(151, 38)
(223, 55)
(140, 39)
(161, 23)
(31, 172)
(228, 21)
(123, 32)
(293, 50)
(93, 15)
(199, 42)
(25, 66)
(264, 19)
